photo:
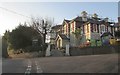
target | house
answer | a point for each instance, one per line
(92, 28)
(55, 30)
(61, 41)
(117, 25)
(66, 27)
(85, 30)
(117, 29)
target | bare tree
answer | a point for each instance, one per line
(43, 26)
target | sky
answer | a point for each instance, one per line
(13, 13)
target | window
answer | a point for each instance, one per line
(109, 29)
(66, 28)
(98, 28)
(73, 26)
(91, 27)
(106, 28)
(102, 28)
(94, 27)
(83, 28)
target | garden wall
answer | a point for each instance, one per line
(76, 51)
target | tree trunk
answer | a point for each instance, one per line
(4, 48)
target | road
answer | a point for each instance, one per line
(107, 63)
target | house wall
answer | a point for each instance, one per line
(87, 31)
(52, 41)
(72, 27)
(95, 35)
(77, 41)
(72, 35)
(78, 24)
(103, 28)
(64, 43)
(72, 40)
(59, 41)
(52, 37)
(66, 29)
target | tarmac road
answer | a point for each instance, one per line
(107, 63)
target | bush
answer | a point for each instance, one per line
(32, 48)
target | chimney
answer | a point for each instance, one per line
(84, 15)
(118, 19)
(106, 19)
(95, 15)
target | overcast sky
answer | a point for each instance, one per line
(12, 13)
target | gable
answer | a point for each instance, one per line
(58, 37)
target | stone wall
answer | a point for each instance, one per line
(76, 51)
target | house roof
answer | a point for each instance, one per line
(99, 22)
(67, 20)
(116, 25)
(119, 19)
(106, 22)
(63, 36)
(106, 34)
(56, 27)
(94, 21)
(78, 18)
(91, 20)
(96, 18)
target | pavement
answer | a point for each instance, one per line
(56, 53)
(0, 65)
(106, 63)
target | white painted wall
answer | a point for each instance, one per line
(67, 50)
(48, 51)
